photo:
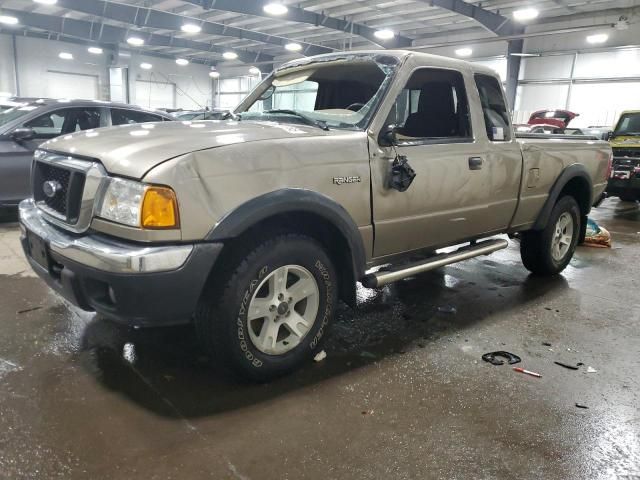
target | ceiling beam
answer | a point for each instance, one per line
(300, 15)
(494, 22)
(148, 17)
(109, 34)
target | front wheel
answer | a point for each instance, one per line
(549, 251)
(274, 310)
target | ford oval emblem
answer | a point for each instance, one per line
(51, 187)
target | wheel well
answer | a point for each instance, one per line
(311, 224)
(579, 189)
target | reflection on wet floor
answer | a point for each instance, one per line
(402, 390)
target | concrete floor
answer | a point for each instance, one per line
(403, 392)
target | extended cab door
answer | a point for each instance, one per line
(440, 129)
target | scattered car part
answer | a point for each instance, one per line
(402, 174)
(527, 372)
(570, 367)
(491, 358)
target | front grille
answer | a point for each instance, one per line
(626, 152)
(59, 189)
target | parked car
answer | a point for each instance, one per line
(625, 141)
(202, 115)
(31, 122)
(254, 228)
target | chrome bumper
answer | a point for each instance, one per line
(100, 252)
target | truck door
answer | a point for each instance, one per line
(449, 198)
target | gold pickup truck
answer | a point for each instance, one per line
(625, 142)
(254, 227)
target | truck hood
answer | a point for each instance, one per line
(625, 141)
(132, 150)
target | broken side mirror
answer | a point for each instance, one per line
(609, 135)
(22, 134)
(388, 137)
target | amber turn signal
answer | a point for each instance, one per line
(160, 208)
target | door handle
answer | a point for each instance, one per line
(475, 163)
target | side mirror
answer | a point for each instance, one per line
(388, 137)
(609, 135)
(23, 133)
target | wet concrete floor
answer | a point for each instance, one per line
(403, 392)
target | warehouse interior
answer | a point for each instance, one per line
(401, 388)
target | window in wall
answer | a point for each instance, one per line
(125, 117)
(64, 121)
(433, 105)
(494, 108)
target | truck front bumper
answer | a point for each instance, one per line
(141, 285)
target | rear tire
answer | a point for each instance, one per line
(549, 251)
(272, 311)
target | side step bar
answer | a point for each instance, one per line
(381, 278)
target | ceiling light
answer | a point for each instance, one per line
(46, 2)
(65, 56)
(214, 74)
(293, 47)
(182, 61)
(135, 41)
(191, 28)
(230, 55)
(598, 38)
(94, 50)
(525, 14)
(525, 54)
(464, 52)
(5, 19)
(384, 34)
(274, 8)
(146, 66)
(254, 71)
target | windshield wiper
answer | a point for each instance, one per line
(307, 119)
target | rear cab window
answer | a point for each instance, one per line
(121, 116)
(494, 108)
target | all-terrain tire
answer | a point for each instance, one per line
(537, 247)
(223, 319)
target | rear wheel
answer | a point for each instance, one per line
(273, 311)
(549, 251)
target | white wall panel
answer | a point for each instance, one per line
(72, 85)
(537, 97)
(618, 63)
(155, 94)
(599, 104)
(543, 68)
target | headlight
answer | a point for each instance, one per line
(139, 205)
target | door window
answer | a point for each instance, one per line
(494, 108)
(120, 116)
(432, 108)
(63, 121)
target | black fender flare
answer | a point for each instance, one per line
(572, 171)
(293, 200)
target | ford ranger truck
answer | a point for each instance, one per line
(253, 228)
(625, 142)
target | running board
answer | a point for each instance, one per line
(380, 278)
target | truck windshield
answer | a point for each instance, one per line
(332, 95)
(629, 124)
(11, 114)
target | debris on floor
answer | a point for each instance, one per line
(527, 372)
(596, 236)
(448, 309)
(491, 358)
(27, 310)
(579, 405)
(591, 370)
(569, 366)
(546, 344)
(320, 356)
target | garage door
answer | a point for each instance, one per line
(155, 94)
(72, 85)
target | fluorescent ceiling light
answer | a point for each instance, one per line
(524, 54)
(135, 41)
(254, 71)
(191, 28)
(230, 55)
(464, 52)
(182, 61)
(598, 38)
(7, 20)
(46, 2)
(214, 74)
(525, 14)
(384, 34)
(65, 56)
(94, 50)
(293, 47)
(274, 8)
(146, 66)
